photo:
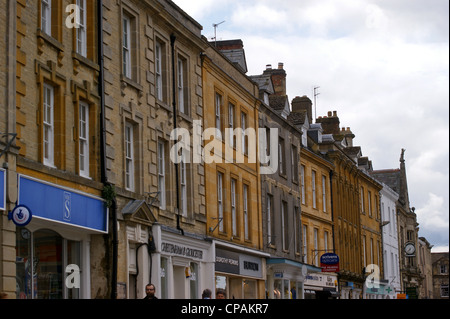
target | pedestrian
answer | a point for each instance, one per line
(221, 294)
(150, 292)
(206, 294)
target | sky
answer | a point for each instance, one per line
(383, 65)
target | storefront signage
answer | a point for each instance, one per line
(2, 189)
(320, 280)
(329, 262)
(181, 251)
(227, 261)
(239, 264)
(21, 215)
(52, 202)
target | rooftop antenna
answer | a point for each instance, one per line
(315, 101)
(215, 25)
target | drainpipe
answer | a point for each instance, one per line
(332, 225)
(174, 103)
(104, 179)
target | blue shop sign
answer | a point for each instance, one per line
(55, 203)
(2, 189)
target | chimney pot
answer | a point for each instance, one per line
(269, 67)
(280, 65)
(334, 113)
(329, 113)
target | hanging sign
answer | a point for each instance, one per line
(329, 262)
(21, 215)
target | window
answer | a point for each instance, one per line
(162, 174)
(244, 135)
(281, 159)
(444, 291)
(297, 229)
(302, 170)
(220, 197)
(325, 241)
(369, 202)
(316, 247)
(183, 184)
(233, 208)
(84, 139)
(81, 30)
(443, 269)
(364, 251)
(284, 225)
(313, 181)
(305, 243)
(218, 115)
(294, 163)
(126, 45)
(246, 212)
(159, 63)
(46, 16)
(324, 193)
(362, 199)
(231, 116)
(270, 220)
(129, 157)
(182, 86)
(48, 142)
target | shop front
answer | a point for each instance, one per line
(239, 271)
(321, 286)
(182, 266)
(53, 249)
(285, 278)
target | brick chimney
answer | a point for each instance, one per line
(229, 45)
(302, 104)
(330, 123)
(278, 78)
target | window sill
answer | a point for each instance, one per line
(44, 38)
(126, 82)
(78, 59)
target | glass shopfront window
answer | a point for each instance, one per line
(41, 260)
(237, 287)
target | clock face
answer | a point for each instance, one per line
(410, 249)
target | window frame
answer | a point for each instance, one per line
(129, 157)
(84, 165)
(48, 125)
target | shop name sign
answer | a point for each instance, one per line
(329, 262)
(181, 251)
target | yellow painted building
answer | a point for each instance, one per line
(233, 182)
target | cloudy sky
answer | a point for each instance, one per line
(383, 65)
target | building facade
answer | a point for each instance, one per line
(57, 122)
(440, 264)
(408, 228)
(426, 268)
(232, 171)
(153, 98)
(390, 238)
(316, 204)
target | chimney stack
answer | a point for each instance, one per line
(278, 78)
(302, 104)
(330, 123)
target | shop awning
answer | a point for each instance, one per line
(292, 263)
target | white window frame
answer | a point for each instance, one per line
(158, 71)
(183, 185)
(269, 219)
(84, 139)
(244, 127)
(161, 175)
(126, 45)
(233, 207)
(316, 247)
(218, 115)
(245, 211)
(81, 30)
(129, 157)
(313, 182)
(181, 101)
(220, 200)
(46, 16)
(302, 172)
(49, 125)
(324, 193)
(305, 243)
(231, 110)
(284, 230)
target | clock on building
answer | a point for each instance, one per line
(410, 249)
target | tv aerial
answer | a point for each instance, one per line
(215, 25)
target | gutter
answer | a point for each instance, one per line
(104, 179)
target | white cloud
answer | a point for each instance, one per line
(431, 215)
